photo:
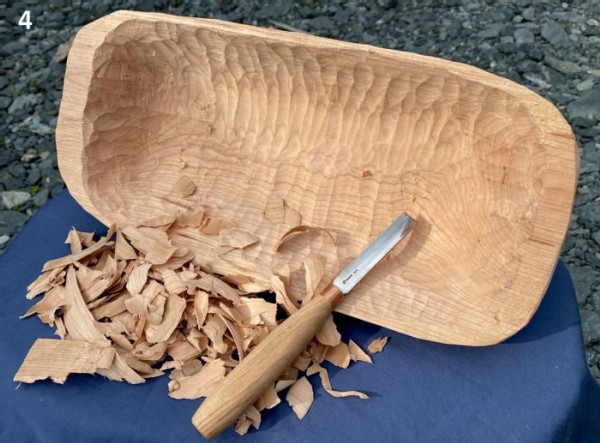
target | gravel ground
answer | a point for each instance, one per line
(551, 47)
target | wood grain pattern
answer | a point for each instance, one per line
(350, 136)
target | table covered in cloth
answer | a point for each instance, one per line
(535, 387)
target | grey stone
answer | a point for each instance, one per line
(590, 215)
(37, 127)
(492, 31)
(11, 222)
(587, 106)
(322, 22)
(5, 102)
(524, 36)
(10, 199)
(23, 103)
(387, 4)
(34, 175)
(7, 156)
(596, 237)
(590, 323)
(41, 198)
(563, 66)
(4, 240)
(528, 66)
(585, 85)
(528, 14)
(555, 34)
(584, 278)
(590, 160)
(595, 301)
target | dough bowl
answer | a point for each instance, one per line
(349, 136)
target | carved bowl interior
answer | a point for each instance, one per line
(349, 136)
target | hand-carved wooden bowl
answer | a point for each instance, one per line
(349, 136)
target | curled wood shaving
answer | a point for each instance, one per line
(301, 229)
(316, 368)
(377, 345)
(300, 397)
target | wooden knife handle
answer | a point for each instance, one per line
(263, 366)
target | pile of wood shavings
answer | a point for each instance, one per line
(135, 307)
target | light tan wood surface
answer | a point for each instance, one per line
(349, 136)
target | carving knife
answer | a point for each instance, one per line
(276, 353)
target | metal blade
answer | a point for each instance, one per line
(383, 244)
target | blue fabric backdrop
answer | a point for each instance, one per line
(535, 387)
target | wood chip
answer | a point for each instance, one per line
(282, 296)
(275, 209)
(172, 316)
(377, 345)
(79, 321)
(314, 269)
(328, 334)
(73, 258)
(131, 303)
(268, 400)
(183, 187)
(338, 355)
(153, 242)
(237, 238)
(123, 250)
(357, 354)
(191, 218)
(121, 371)
(56, 359)
(200, 384)
(137, 279)
(300, 397)
(74, 241)
(292, 217)
(213, 226)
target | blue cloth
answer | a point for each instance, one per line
(535, 387)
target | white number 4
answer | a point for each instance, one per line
(25, 20)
